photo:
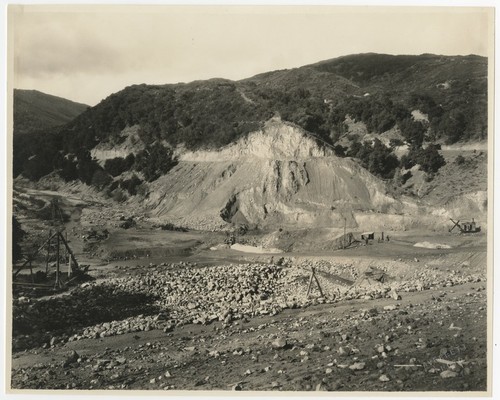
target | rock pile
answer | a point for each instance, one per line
(170, 295)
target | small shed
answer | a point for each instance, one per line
(468, 226)
(368, 235)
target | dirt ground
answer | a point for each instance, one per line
(429, 336)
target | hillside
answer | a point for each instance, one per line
(36, 111)
(370, 115)
(276, 177)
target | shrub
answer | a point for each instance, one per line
(339, 150)
(460, 159)
(429, 159)
(117, 166)
(131, 185)
(100, 179)
(17, 237)
(155, 161)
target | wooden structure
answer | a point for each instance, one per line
(315, 278)
(343, 241)
(465, 226)
(59, 241)
(368, 235)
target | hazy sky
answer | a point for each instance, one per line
(85, 53)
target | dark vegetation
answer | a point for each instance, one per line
(171, 227)
(35, 111)
(17, 236)
(376, 158)
(429, 158)
(379, 90)
(117, 166)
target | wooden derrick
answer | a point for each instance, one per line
(68, 256)
(315, 278)
(465, 227)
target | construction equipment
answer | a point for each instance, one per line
(465, 227)
(61, 243)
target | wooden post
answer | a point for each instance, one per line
(33, 255)
(31, 274)
(313, 276)
(74, 263)
(69, 267)
(65, 249)
(57, 261)
(317, 283)
(48, 254)
(343, 239)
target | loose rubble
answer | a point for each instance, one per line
(170, 295)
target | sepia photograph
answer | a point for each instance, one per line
(271, 199)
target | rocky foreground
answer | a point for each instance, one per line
(252, 327)
(169, 295)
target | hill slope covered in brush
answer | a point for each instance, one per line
(379, 91)
(35, 111)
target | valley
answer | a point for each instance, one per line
(323, 228)
(182, 310)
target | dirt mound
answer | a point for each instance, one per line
(277, 176)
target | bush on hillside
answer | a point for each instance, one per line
(376, 157)
(17, 237)
(395, 142)
(117, 166)
(131, 185)
(100, 179)
(459, 160)
(413, 131)
(154, 161)
(429, 159)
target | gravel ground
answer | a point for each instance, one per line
(252, 327)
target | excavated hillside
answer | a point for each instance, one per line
(276, 177)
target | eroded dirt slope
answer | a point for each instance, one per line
(275, 176)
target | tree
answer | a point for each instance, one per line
(154, 161)
(339, 150)
(17, 237)
(431, 160)
(376, 157)
(116, 166)
(381, 161)
(460, 159)
(100, 178)
(453, 125)
(130, 185)
(413, 131)
(395, 142)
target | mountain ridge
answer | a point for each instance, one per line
(140, 134)
(35, 111)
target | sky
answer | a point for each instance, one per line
(86, 53)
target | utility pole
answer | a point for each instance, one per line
(343, 239)
(57, 284)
